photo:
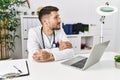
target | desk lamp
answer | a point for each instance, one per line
(104, 11)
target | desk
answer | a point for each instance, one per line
(103, 70)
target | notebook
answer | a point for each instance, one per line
(83, 62)
(14, 68)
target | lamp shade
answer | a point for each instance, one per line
(106, 10)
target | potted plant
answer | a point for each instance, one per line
(117, 61)
(8, 25)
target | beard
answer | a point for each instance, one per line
(57, 27)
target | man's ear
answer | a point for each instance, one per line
(45, 20)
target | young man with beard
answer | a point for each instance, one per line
(49, 42)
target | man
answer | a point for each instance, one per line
(49, 42)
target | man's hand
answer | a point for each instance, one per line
(42, 56)
(65, 45)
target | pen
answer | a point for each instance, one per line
(17, 69)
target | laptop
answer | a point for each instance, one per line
(84, 62)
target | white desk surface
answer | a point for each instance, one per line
(103, 70)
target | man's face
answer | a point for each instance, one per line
(53, 21)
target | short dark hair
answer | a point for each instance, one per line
(46, 10)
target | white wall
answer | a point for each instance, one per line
(70, 10)
(73, 11)
(117, 44)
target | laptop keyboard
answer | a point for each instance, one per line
(80, 64)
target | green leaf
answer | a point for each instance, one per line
(117, 58)
(8, 11)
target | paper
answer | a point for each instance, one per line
(7, 66)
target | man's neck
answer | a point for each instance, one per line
(47, 31)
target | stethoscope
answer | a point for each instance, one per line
(43, 38)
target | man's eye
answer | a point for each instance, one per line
(57, 17)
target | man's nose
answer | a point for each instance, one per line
(59, 20)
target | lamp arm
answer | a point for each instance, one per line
(102, 19)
